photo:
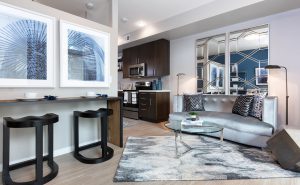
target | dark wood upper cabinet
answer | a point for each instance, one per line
(162, 58)
(129, 58)
(156, 56)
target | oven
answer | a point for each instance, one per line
(131, 99)
(130, 104)
(138, 70)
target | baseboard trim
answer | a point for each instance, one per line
(56, 153)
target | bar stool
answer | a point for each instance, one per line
(107, 152)
(38, 123)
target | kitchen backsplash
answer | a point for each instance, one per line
(128, 83)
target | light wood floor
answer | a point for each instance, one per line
(72, 172)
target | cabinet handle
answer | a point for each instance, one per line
(143, 104)
(154, 72)
(142, 98)
(138, 60)
(144, 109)
(150, 102)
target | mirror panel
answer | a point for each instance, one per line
(211, 65)
(249, 54)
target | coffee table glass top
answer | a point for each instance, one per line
(206, 127)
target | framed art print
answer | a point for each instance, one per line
(85, 56)
(261, 76)
(216, 75)
(26, 48)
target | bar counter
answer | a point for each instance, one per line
(115, 121)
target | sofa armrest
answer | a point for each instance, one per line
(178, 103)
(270, 110)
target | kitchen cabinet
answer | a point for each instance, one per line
(129, 58)
(162, 58)
(156, 56)
(154, 106)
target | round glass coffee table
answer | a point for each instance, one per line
(204, 128)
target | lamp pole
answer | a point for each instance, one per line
(178, 78)
(286, 98)
(286, 90)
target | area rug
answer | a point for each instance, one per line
(154, 159)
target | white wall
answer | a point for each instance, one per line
(284, 50)
(22, 140)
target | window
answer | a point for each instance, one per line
(238, 70)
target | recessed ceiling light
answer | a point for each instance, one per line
(89, 5)
(124, 19)
(140, 23)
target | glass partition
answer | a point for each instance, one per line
(249, 50)
(211, 65)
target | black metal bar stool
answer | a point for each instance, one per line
(38, 123)
(107, 152)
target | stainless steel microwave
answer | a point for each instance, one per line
(137, 70)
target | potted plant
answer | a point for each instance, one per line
(193, 115)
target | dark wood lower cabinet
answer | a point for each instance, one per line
(154, 106)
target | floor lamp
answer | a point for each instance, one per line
(178, 77)
(286, 89)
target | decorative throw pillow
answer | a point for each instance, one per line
(242, 105)
(193, 102)
(257, 106)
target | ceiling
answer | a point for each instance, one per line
(187, 24)
(152, 11)
(100, 11)
(171, 19)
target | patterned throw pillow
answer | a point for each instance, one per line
(242, 105)
(257, 106)
(193, 103)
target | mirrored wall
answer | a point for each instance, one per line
(248, 56)
(211, 65)
(245, 59)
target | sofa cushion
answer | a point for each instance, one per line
(193, 102)
(230, 121)
(257, 106)
(242, 105)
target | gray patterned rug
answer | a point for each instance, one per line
(153, 158)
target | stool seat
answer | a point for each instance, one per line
(30, 121)
(94, 113)
(107, 152)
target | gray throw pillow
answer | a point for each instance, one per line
(242, 105)
(257, 106)
(193, 102)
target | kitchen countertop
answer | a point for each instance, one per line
(155, 91)
(147, 90)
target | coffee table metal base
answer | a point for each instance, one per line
(187, 146)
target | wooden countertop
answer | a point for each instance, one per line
(58, 100)
(115, 128)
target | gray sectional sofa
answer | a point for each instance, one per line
(245, 130)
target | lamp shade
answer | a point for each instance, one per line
(273, 67)
(180, 74)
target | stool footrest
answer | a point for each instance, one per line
(108, 155)
(81, 158)
(92, 145)
(51, 175)
(25, 163)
